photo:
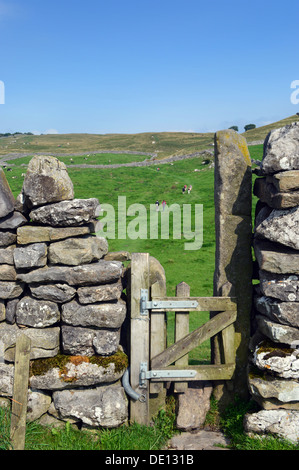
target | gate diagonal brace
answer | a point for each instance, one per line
(146, 374)
(146, 305)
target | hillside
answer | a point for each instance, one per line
(162, 143)
(260, 133)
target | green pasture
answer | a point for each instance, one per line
(196, 267)
(144, 185)
(89, 159)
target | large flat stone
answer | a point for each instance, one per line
(269, 194)
(31, 256)
(104, 293)
(281, 226)
(75, 251)
(38, 404)
(278, 359)
(281, 149)
(101, 272)
(44, 341)
(105, 406)
(10, 290)
(101, 315)
(282, 423)
(199, 440)
(7, 238)
(6, 379)
(36, 234)
(46, 181)
(83, 341)
(7, 273)
(268, 389)
(284, 287)
(193, 406)
(67, 213)
(282, 312)
(6, 255)
(285, 181)
(78, 371)
(37, 313)
(12, 221)
(276, 259)
(54, 292)
(277, 332)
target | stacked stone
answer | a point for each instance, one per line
(56, 288)
(276, 243)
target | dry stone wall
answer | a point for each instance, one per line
(57, 288)
(274, 373)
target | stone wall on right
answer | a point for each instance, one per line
(274, 363)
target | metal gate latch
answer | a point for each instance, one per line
(146, 305)
(146, 374)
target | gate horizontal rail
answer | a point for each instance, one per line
(204, 304)
(202, 372)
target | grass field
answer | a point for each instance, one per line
(162, 143)
(144, 185)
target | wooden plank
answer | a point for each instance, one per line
(181, 330)
(198, 336)
(139, 347)
(158, 327)
(20, 393)
(228, 342)
(205, 304)
(203, 372)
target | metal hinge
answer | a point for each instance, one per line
(146, 305)
(146, 374)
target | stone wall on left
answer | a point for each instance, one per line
(57, 288)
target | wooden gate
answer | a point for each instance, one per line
(151, 362)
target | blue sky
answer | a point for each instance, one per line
(129, 66)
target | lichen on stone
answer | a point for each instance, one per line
(42, 366)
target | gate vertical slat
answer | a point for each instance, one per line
(181, 330)
(140, 327)
(158, 333)
(157, 345)
(228, 340)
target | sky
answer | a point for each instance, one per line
(131, 66)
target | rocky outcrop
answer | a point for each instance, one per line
(57, 288)
(274, 365)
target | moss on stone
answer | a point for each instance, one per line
(42, 366)
(274, 349)
(120, 360)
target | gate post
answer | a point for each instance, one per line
(20, 393)
(233, 263)
(139, 337)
